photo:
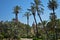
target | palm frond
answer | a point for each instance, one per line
(27, 14)
(16, 9)
(52, 4)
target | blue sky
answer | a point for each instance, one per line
(6, 10)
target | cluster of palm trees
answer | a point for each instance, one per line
(37, 7)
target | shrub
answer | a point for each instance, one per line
(35, 38)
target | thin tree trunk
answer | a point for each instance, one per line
(36, 27)
(27, 24)
(53, 9)
(27, 20)
(43, 25)
(16, 17)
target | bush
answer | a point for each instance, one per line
(1, 36)
(26, 37)
(35, 38)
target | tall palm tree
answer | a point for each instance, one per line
(33, 10)
(16, 11)
(52, 5)
(39, 9)
(27, 14)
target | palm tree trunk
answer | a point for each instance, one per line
(41, 20)
(16, 17)
(53, 10)
(27, 24)
(39, 16)
(43, 25)
(27, 20)
(36, 26)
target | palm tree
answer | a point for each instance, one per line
(52, 5)
(39, 9)
(33, 10)
(27, 14)
(16, 11)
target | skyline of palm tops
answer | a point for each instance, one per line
(39, 10)
(31, 16)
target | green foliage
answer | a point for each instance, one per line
(11, 30)
(35, 38)
(1, 36)
(16, 9)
